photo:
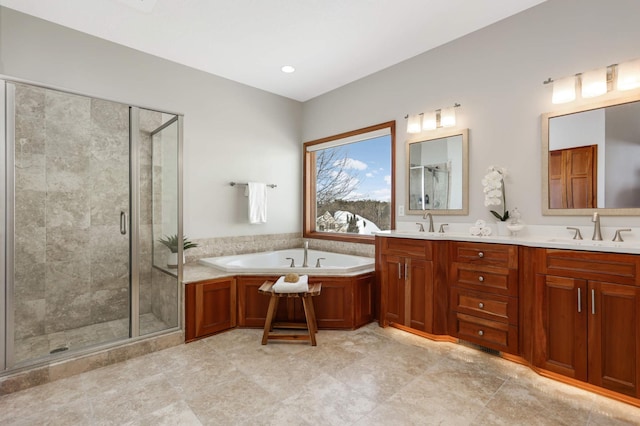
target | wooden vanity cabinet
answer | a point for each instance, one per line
(483, 300)
(410, 286)
(587, 317)
(210, 307)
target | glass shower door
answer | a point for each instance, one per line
(158, 295)
(69, 272)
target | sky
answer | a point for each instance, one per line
(370, 162)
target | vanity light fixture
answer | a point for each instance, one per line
(629, 75)
(445, 117)
(429, 121)
(564, 90)
(413, 123)
(448, 117)
(596, 82)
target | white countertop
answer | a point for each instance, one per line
(532, 236)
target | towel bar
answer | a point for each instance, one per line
(271, 185)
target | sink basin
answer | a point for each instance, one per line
(588, 243)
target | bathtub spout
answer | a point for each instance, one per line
(305, 261)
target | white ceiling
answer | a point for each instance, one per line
(329, 42)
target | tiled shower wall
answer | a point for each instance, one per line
(72, 181)
(71, 262)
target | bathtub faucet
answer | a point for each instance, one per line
(305, 263)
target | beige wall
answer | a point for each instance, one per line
(496, 74)
(231, 131)
(235, 132)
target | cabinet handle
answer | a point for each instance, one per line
(480, 333)
(399, 271)
(593, 301)
(481, 278)
(481, 305)
(406, 270)
(579, 300)
(480, 254)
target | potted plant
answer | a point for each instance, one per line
(171, 242)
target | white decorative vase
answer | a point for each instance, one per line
(503, 231)
(172, 260)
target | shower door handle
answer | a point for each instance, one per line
(123, 223)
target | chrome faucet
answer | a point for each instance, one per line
(428, 215)
(305, 263)
(597, 235)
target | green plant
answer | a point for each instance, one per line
(171, 242)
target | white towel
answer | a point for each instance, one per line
(301, 286)
(257, 193)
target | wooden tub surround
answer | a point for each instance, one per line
(216, 305)
(570, 315)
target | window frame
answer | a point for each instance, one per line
(309, 186)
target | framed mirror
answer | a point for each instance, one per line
(438, 172)
(591, 158)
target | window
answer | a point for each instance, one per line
(349, 184)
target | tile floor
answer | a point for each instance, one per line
(37, 347)
(371, 376)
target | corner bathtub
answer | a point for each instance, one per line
(276, 262)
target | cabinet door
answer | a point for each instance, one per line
(215, 307)
(614, 336)
(420, 305)
(253, 306)
(561, 336)
(393, 289)
(334, 305)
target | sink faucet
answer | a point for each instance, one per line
(305, 263)
(428, 215)
(597, 235)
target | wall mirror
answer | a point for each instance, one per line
(591, 158)
(437, 172)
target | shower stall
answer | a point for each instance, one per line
(88, 187)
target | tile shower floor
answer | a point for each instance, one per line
(371, 376)
(79, 338)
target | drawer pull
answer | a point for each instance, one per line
(481, 278)
(481, 305)
(480, 254)
(480, 333)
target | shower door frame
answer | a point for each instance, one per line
(8, 298)
(7, 227)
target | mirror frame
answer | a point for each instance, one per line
(431, 136)
(612, 100)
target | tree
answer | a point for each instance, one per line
(352, 224)
(332, 180)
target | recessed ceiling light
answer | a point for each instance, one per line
(288, 69)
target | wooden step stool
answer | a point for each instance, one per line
(309, 314)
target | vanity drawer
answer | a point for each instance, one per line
(502, 255)
(491, 334)
(489, 306)
(610, 267)
(416, 249)
(485, 278)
